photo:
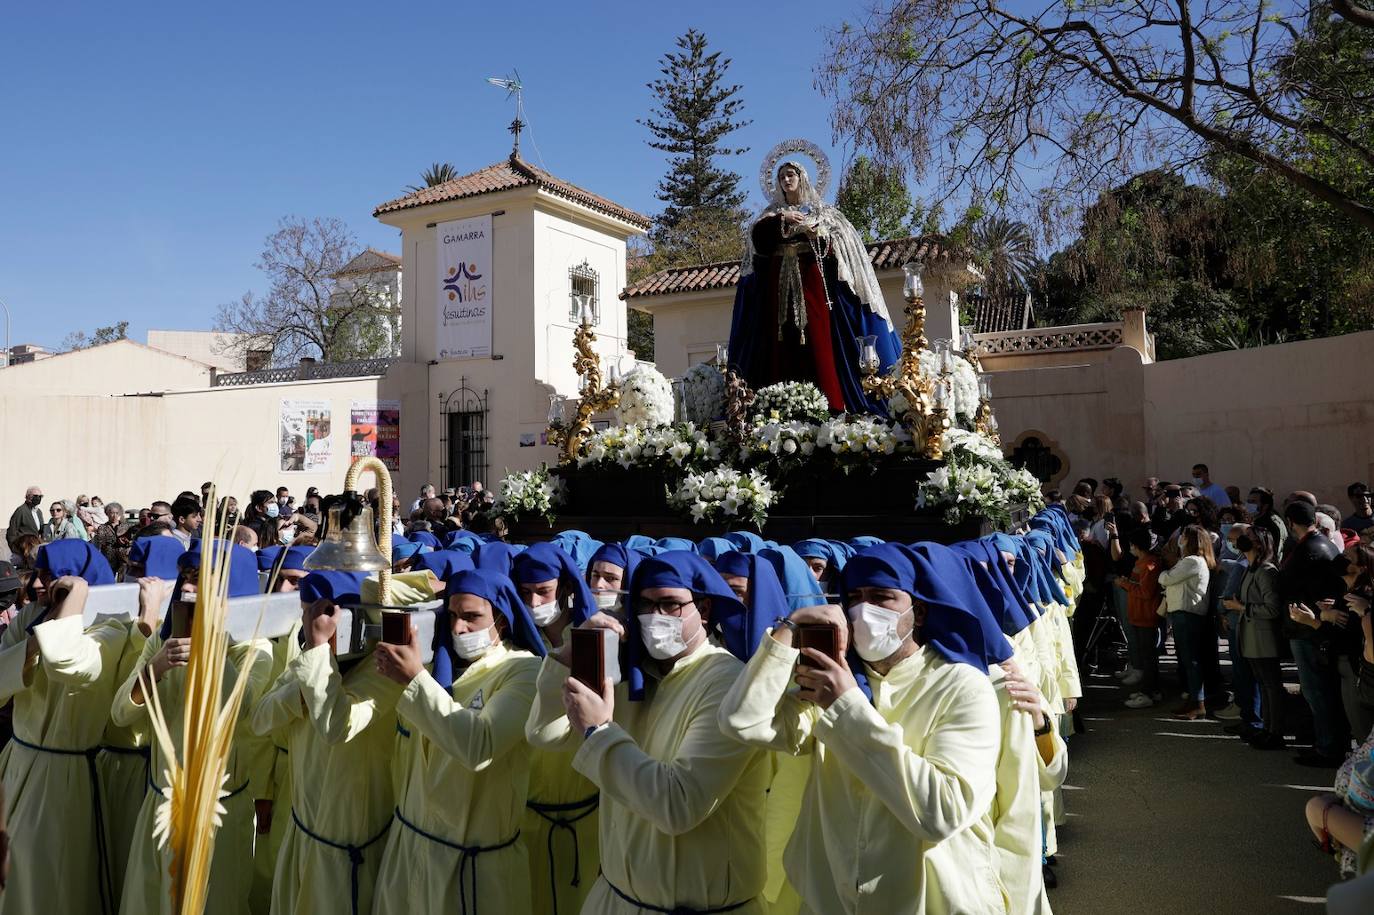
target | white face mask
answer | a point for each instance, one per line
(545, 613)
(662, 635)
(875, 631)
(607, 600)
(1197, 481)
(472, 645)
(1252, 508)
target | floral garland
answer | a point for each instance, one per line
(703, 394)
(681, 446)
(529, 492)
(724, 494)
(786, 401)
(646, 398)
(977, 481)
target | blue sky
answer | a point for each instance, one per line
(149, 148)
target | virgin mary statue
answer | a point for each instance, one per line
(806, 292)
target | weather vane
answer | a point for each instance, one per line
(513, 87)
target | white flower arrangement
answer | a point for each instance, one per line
(529, 492)
(1022, 486)
(703, 394)
(680, 446)
(724, 494)
(861, 435)
(790, 400)
(646, 398)
(973, 442)
(964, 487)
(791, 441)
(977, 480)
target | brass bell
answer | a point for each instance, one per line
(348, 547)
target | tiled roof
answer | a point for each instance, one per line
(1001, 312)
(504, 176)
(370, 260)
(886, 255)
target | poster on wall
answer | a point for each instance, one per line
(463, 256)
(305, 435)
(375, 431)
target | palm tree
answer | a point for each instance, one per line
(1005, 250)
(438, 173)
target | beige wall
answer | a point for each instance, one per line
(1295, 416)
(121, 367)
(205, 346)
(138, 449)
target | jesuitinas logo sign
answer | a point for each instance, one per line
(463, 258)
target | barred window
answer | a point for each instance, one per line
(585, 293)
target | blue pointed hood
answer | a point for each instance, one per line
(767, 600)
(463, 541)
(548, 562)
(801, 586)
(443, 563)
(681, 569)
(579, 545)
(157, 555)
(994, 581)
(77, 558)
(498, 590)
(958, 623)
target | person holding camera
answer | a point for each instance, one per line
(161, 666)
(896, 814)
(461, 765)
(61, 677)
(338, 721)
(682, 805)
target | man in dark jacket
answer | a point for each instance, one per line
(27, 518)
(1308, 576)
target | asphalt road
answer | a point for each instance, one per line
(1179, 817)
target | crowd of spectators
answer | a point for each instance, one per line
(1259, 580)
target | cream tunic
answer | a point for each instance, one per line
(1016, 809)
(464, 773)
(896, 816)
(61, 702)
(340, 733)
(682, 805)
(146, 878)
(125, 765)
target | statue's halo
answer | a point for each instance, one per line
(768, 171)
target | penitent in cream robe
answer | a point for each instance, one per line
(682, 805)
(464, 770)
(49, 766)
(1016, 809)
(896, 816)
(340, 733)
(125, 765)
(147, 888)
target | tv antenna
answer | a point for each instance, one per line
(514, 87)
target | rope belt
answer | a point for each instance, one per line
(584, 808)
(155, 788)
(101, 849)
(467, 862)
(354, 852)
(145, 752)
(677, 909)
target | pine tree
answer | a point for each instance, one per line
(694, 113)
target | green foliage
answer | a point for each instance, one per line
(1004, 250)
(100, 336)
(438, 173)
(876, 200)
(695, 112)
